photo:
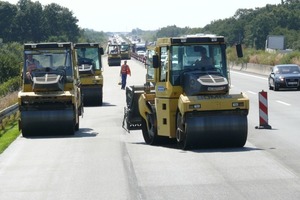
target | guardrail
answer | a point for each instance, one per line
(8, 114)
(252, 68)
(138, 57)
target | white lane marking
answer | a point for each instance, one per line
(251, 92)
(284, 103)
(249, 75)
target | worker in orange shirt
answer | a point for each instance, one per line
(125, 70)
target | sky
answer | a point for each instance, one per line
(125, 15)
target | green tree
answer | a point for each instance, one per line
(169, 31)
(7, 16)
(89, 35)
(29, 20)
(10, 59)
(59, 21)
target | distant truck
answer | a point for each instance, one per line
(138, 47)
(139, 51)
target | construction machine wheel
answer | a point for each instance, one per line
(211, 130)
(150, 130)
(184, 141)
(180, 132)
(77, 124)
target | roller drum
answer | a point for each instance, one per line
(211, 130)
(47, 122)
(92, 96)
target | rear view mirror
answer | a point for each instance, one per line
(156, 61)
(101, 51)
(239, 50)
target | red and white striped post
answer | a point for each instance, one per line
(263, 110)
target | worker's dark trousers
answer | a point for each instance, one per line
(124, 77)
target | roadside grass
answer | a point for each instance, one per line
(8, 135)
(10, 131)
(8, 100)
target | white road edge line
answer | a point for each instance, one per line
(251, 92)
(287, 104)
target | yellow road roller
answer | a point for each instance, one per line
(114, 55)
(50, 98)
(125, 51)
(191, 102)
(89, 64)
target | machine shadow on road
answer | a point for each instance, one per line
(225, 150)
(85, 132)
(174, 145)
(105, 104)
(82, 132)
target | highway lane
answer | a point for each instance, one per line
(282, 141)
(103, 161)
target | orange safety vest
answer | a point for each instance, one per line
(125, 69)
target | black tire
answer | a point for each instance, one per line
(180, 132)
(150, 134)
(270, 86)
(77, 127)
(276, 87)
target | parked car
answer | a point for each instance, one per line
(284, 76)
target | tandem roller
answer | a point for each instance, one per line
(50, 101)
(191, 102)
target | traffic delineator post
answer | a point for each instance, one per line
(263, 111)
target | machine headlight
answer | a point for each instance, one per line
(195, 106)
(238, 104)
